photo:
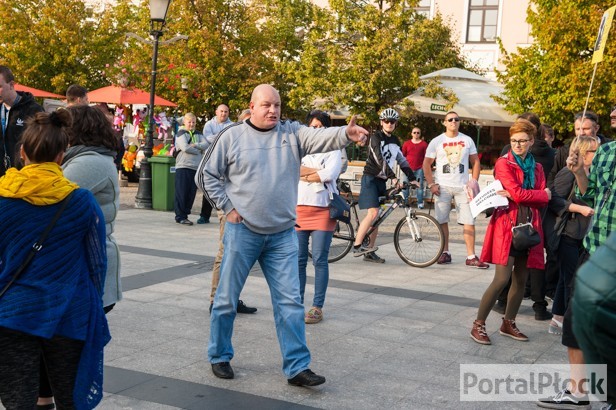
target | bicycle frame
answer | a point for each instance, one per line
(399, 200)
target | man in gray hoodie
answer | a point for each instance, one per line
(251, 172)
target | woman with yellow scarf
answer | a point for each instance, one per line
(53, 311)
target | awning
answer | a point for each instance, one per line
(38, 93)
(114, 94)
(474, 93)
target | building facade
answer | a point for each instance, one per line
(476, 25)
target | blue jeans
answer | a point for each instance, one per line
(277, 256)
(419, 175)
(320, 251)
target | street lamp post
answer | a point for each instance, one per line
(158, 14)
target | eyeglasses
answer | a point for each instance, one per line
(415, 132)
(456, 119)
(388, 121)
(519, 142)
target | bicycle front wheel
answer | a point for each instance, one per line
(419, 240)
(342, 242)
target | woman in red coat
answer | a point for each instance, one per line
(524, 185)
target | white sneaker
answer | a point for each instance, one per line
(362, 250)
(564, 400)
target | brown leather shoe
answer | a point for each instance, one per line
(508, 328)
(479, 334)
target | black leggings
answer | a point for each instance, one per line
(20, 363)
(45, 387)
(502, 274)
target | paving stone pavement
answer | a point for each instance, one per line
(393, 336)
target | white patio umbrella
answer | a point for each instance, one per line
(474, 93)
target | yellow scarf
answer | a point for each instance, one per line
(38, 184)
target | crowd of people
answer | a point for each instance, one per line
(60, 168)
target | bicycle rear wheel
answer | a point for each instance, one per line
(342, 242)
(420, 240)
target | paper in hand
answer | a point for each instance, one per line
(488, 198)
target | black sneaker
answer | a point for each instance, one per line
(307, 378)
(564, 400)
(373, 257)
(242, 308)
(363, 250)
(541, 313)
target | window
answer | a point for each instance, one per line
(423, 8)
(482, 21)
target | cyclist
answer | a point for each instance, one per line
(384, 152)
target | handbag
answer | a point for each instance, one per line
(339, 209)
(525, 236)
(38, 245)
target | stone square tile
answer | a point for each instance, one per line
(152, 362)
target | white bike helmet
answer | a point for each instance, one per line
(389, 114)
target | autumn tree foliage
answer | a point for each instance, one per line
(368, 56)
(52, 44)
(357, 54)
(552, 76)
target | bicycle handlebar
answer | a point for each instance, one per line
(395, 191)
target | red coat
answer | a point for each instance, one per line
(498, 235)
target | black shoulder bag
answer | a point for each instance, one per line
(553, 241)
(38, 245)
(339, 209)
(525, 236)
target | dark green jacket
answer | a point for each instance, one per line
(594, 309)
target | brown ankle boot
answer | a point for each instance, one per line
(479, 334)
(508, 328)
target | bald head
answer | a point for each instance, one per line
(222, 113)
(265, 107)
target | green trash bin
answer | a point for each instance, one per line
(163, 182)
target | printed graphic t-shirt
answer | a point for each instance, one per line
(451, 156)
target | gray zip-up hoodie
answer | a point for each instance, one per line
(256, 172)
(191, 149)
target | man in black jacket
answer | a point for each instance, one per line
(588, 125)
(15, 108)
(383, 153)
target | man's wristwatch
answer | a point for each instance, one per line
(431, 185)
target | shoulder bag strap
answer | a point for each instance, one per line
(38, 245)
(572, 193)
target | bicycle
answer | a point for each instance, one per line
(418, 237)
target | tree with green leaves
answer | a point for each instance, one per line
(371, 56)
(552, 76)
(50, 44)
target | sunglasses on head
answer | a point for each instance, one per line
(389, 121)
(456, 119)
